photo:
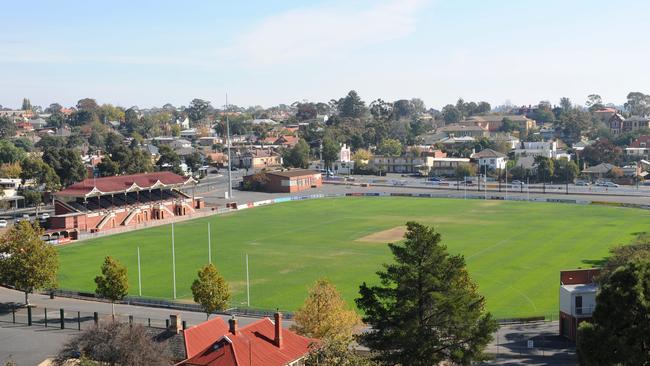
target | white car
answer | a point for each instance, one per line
(45, 216)
(3, 223)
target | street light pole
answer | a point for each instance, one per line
(229, 156)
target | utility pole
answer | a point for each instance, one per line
(229, 156)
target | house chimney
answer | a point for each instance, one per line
(175, 323)
(278, 329)
(232, 322)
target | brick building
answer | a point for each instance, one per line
(289, 181)
(104, 203)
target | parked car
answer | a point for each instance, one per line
(610, 185)
(3, 223)
(583, 183)
(45, 216)
(434, 179)
(517, 183)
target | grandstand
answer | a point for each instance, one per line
(99, 204)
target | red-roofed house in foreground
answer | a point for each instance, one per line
(263, 343)
(97, 204)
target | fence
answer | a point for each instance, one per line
(59, 318)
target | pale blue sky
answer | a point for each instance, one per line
(148, 53)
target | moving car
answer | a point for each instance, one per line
(517, 183)
(45, 216)
(583, 183)
(3, 223)
(610, 185)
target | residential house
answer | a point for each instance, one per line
(180, 144)
(217, 159)
(286, 141)
(506, 138)
(459, 130)
(153, 152)
(38, 123)
(262, 121)
(599, 171)
(491, 159)
(257, 159)
(577, 299)
(9, 187)
(445, 167)
(493, 122)
(399, 164)
(639, 147)
(547, 149)
(210, 140)
(605, 114)
(452, 140)
(184, 123)
(261, 343)
(619, 124)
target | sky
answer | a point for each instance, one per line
(148, 53)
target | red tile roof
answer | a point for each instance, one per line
(252, 345)
(643, 139)
(122, 183)
(203, 335)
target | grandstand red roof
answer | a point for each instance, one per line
(123, 183)
(252, 345)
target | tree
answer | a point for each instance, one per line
(10, 170)
(33, 167)
(298, 156)
(54, 108)
(545, 168)
(115, 343)
(9, 153)
(7, 128)
(618, 333)
(140, 162)
(198, 109)
(169, 160)
(306, 111)
(331, 151)
(638, 104)
(619, 256)
(602, 151)
(465, 170)
(403, 109)
(426, 309)
(451, 114)
(325, 315)
(351, 106)
(56, 120)
(565, 103)
(483, 107)
(27, 105)
(335, 353)
(66, 163)
(565, 171)
(594, 102)
(390, 147)
(193, 161)
(210, 290)
(87, 104)
(27, 262)
(507, 125)
(113, 283)
(108, 167)
(131, 119)
(256, 182)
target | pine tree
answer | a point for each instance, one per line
(210, 290)
(426, 308)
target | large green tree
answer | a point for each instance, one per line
(619, 333)
(9, 153)
(298, 156)
(198, 109)
(26, 261)
(35, 168)
(638, 104)
(545, 168)
(210, 290)
(425, 309)
(7, 128)
(331, 151)
(66, 163)
(565, 171)
(113, 283)
(390, 147)
(351, 106)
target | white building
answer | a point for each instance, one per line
(184, 123)
(344, 165)
(494, 160)
(547, 149)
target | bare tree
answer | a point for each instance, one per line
(115, 343)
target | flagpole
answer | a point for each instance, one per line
(139, 275)
(173, 261)
(209, 246)
(248, 285)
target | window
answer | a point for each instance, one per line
(578, 305)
